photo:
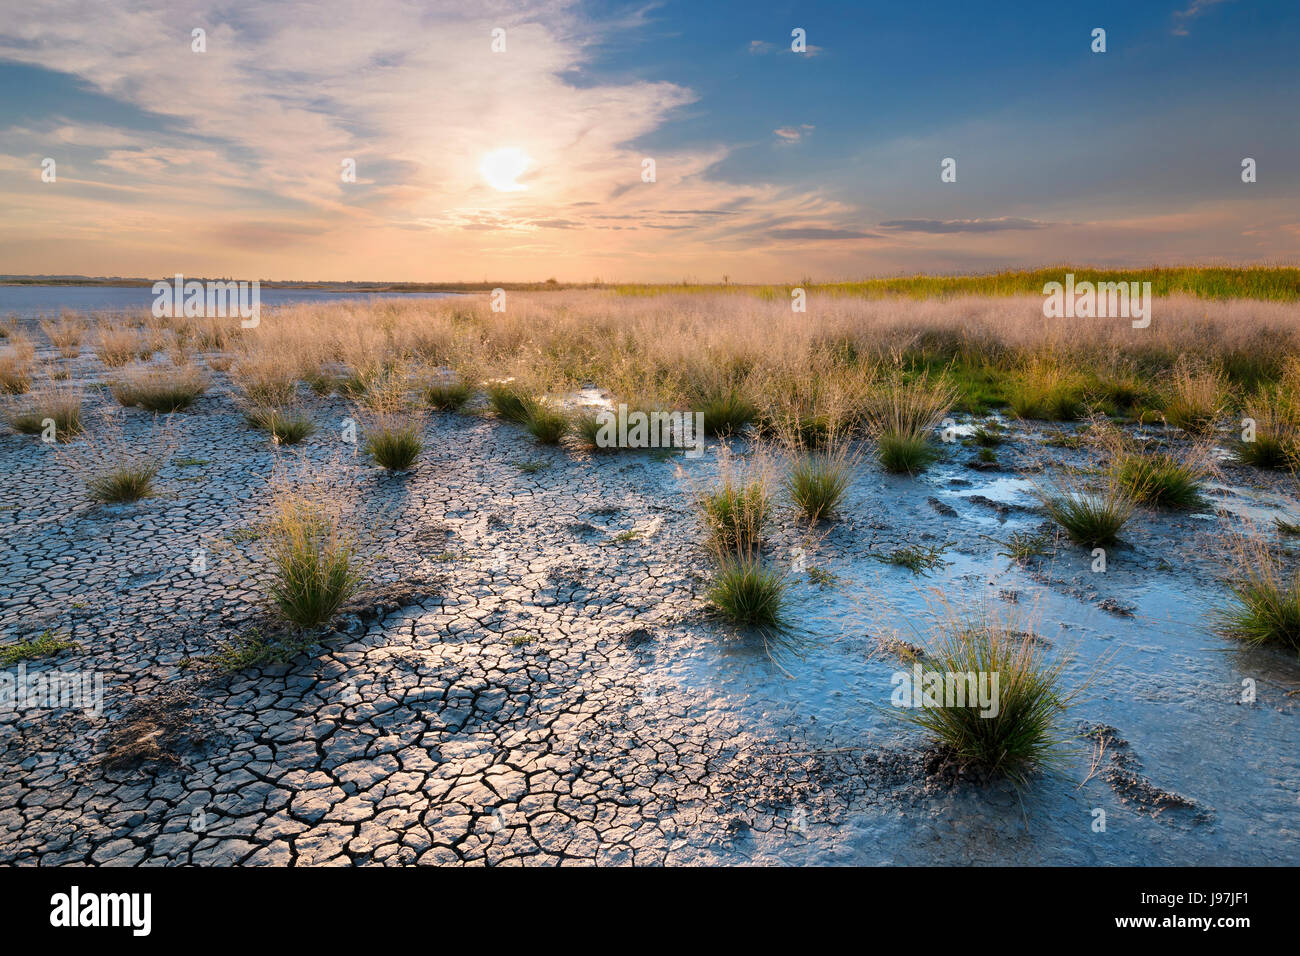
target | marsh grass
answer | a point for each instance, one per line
(116, 346)
(510, 402)
(1027, 733)
(818, 481)
(16, 358)
(1163, 479)
(160, 388)
(1196, 397)
(988, 435)
(902, 417)
(395, 439)
(53, 407)
(1043, 389)
(314, 559)
(114, 469)
(1275, 441)
(586, 427)
(545, 422)
(65, 333)
(735, 509)
(1266, 605)
(265, 380)
(748, 593)
(447, 394)
(1089, 515)
(286, 426)
(726, 409)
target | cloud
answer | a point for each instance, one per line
(816, 233)
(961, 225)
(793, 134)
(256, 128)
(1193, 10)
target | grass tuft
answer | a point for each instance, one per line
(1089, 517)
(394, 440)
(818, 481)
(315, 563)
(749, 594)
(735, 511)
(509, 401)
(56, 408)
(164, 389)
(1025, 734)
(286, 426)
(902, 419)
(1158, 478)
(545, 423)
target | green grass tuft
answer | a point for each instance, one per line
(287, 427)
(817, 484)
(1026, 733)
(748, 594)
(1161, 479)
(547, 424)
(1089, 518)
(735, 512)
(395, 442)
(314, 561)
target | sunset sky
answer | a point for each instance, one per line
(527, 164)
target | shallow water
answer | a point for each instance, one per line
(33, 301)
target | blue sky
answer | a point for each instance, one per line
(770, 164)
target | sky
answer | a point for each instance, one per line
(643, 141)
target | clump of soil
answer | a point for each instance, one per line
(1122, 770)
(160, 729)
(383, 599)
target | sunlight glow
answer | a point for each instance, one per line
(502, 167)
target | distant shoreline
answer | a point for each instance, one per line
(1275, 283)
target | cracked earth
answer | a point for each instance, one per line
(533, 679)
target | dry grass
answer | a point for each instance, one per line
(16, 359)
(159, 388)
(1197, 396)
(116, 346)
(115, 469)
(815, 370)
(65, 333)
(265, 380)
(53, 412)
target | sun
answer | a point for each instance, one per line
(501, 167)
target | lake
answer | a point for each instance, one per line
(33, 301)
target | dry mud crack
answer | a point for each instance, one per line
(529, 681)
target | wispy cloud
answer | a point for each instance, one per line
(793, 134)
(1000, 224)
(261, 122)
(1182, 18)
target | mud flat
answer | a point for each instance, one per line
(531, 675)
